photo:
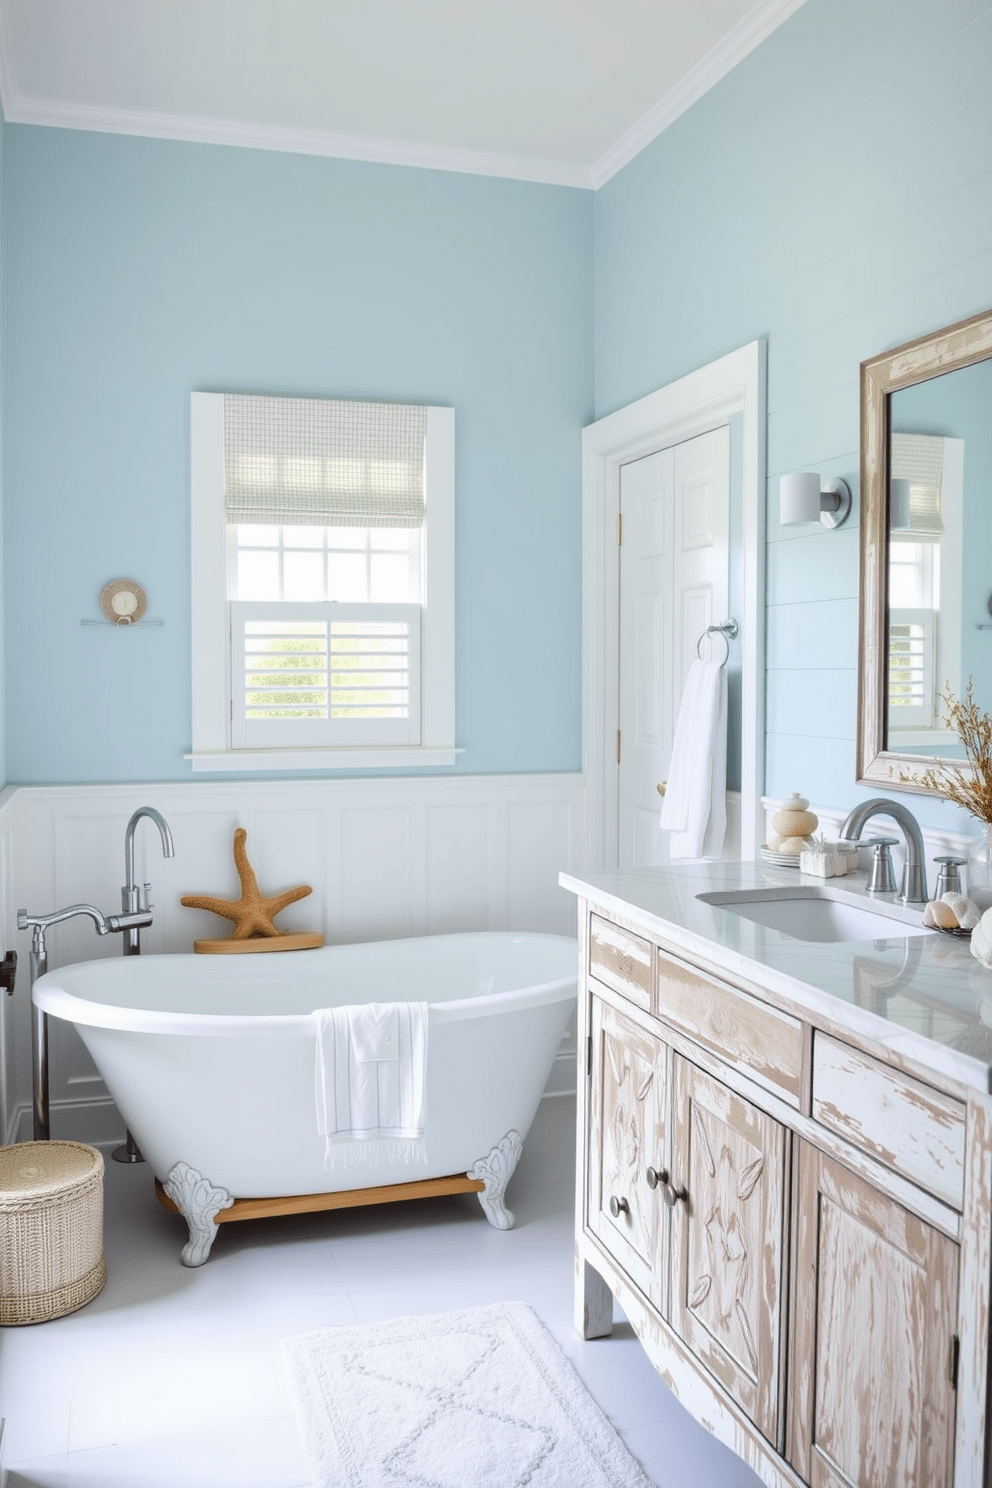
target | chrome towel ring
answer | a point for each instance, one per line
(729, 630)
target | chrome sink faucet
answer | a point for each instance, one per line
(914, 882)
(135, 900)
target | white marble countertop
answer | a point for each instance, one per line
(922, 996)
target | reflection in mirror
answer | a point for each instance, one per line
(926, 548)
(939, 583)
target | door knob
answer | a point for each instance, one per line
(662, 787)
(673, 1195)
(618, 1207)
(654, 1177)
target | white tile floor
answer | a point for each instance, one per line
(172, 1377)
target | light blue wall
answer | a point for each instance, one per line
(3, 321)
(834, 194)
(139, 270)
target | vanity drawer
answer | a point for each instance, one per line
(620, 960)
(746, 1033)
(907, 1126)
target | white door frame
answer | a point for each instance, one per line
(701, 401)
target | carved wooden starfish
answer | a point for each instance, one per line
(253, 913)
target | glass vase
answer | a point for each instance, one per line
(979, 884)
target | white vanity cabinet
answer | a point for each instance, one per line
(795, 1222)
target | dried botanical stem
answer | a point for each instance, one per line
(969, 788)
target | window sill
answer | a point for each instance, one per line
(400, 758)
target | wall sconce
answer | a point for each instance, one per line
(802, 499)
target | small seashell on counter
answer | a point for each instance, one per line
(952, 911)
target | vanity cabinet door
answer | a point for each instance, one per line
(626, 1138)
(728, 1239)
(874, 1302)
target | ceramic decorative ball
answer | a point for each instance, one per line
(793, 819)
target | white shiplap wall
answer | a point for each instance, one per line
(386, 858)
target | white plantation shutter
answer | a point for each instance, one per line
(912, 646)
(323, 462)
(324, 674)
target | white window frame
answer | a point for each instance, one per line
(213, 748)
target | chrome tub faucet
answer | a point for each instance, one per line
(135, 899)
(39, 925)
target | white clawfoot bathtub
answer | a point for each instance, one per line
(210, 1059)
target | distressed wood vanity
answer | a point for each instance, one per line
(785, 1179)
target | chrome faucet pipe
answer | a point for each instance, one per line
(914, 881)
(137, 902)
(39, 925)
(134, 899)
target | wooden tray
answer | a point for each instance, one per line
(226, 945)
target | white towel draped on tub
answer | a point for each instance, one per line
(695, 805)
(371, 1082)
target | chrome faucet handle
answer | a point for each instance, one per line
(882, 879)
(949, 879)
(136, 921)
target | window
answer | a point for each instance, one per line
(323, 583)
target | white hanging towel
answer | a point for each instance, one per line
(370, 1082)
(695, 806)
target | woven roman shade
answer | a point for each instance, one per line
(323, 462)
(919, 458)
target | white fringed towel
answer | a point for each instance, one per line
(370, 1082)
(694, 810)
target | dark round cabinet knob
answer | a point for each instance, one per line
(655, 1178)
(618, 1207)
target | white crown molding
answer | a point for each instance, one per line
(205, 131)
(748, 34)
(766, 17)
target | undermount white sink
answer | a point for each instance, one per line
(808, 913)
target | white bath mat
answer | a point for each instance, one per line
(477, 1399)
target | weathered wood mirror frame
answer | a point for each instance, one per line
(942, 351)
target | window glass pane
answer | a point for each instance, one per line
(258, 575)
(250, 536)
(303, 576)
(393, 538)
(347, 577)
(347, 537)
(391, 579)
(303, 537)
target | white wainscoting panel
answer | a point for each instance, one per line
(385, 857)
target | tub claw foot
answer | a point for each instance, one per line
(198, 1201)
(495, 1171)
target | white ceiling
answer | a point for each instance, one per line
(551, 90)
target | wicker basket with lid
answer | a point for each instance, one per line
(51, 1230)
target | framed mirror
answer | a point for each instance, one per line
(926, 548)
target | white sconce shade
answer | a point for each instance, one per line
(799, 498)
(899, 513)
(802, 500)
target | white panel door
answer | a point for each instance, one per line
(674, 582)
